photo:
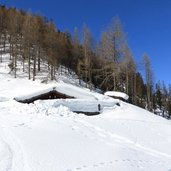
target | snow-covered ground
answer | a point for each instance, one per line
(48, 137)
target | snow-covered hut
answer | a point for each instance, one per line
(117, 95)
(59, 91)
(46, 94)
(77, 99)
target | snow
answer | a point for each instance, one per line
(48, 136)
(3, 99)
(78, 105)
(67, 89)
(117, 94)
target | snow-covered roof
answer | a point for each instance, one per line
(117, 94)
(66, 89)
(78, 105)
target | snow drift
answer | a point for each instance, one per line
(49, 136)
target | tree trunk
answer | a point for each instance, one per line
(29, 64)
(51, 72)
(10, 47)
(1, 54)
(34, 67)
(38, 59)
(15, 64)
(23, 63)
(4, 42)
(127, 82)
(135, 91)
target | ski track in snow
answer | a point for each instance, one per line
(103, 135)
(24, 130)
(124, 141)
(6, 156)
(11, 149)
(14, 159)
(135, 164)
(11, 156)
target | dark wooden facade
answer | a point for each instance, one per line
(49, 95)
(119, 98)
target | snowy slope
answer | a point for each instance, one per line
(45, 136)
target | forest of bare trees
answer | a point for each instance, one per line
(106, 65)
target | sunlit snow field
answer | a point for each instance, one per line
(45, 137)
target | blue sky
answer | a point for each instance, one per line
(146, 22)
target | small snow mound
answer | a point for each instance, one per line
(3, 99)
(61, 110)
(117, 94)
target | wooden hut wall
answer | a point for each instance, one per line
(46, 96)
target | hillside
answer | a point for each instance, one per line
(45, 137)
(108, 63)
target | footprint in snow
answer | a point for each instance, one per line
(21, 124)
(102, 163)
(140, 167)
(95, 165)
(132, 165)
